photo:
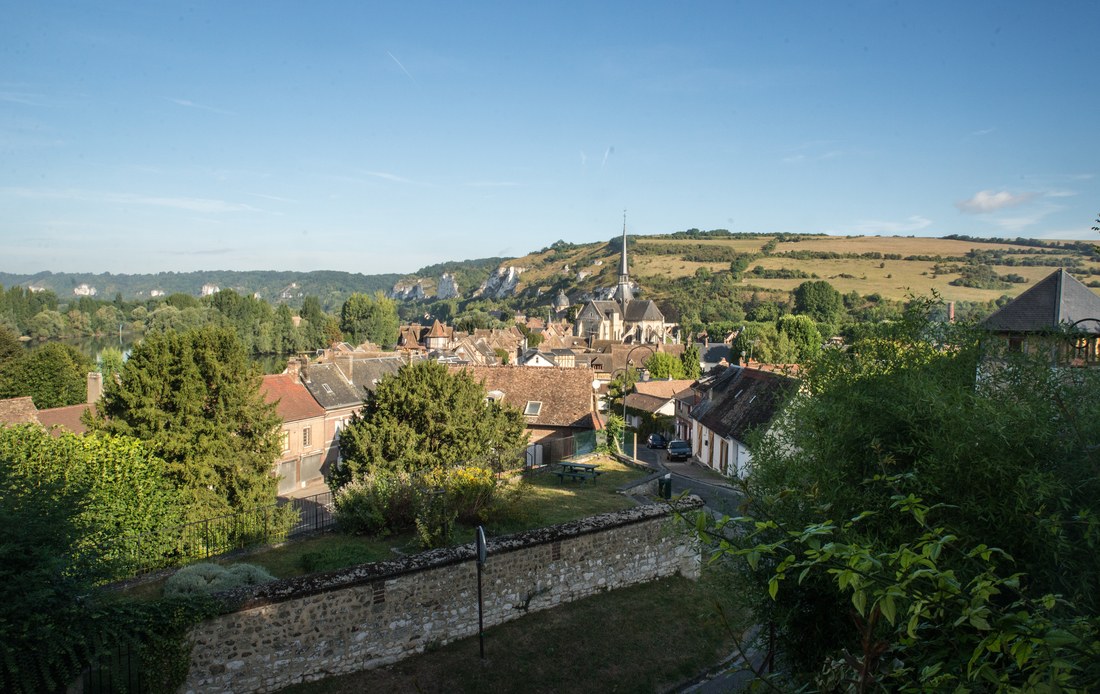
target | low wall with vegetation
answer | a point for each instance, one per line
(312, 627)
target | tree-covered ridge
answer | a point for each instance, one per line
(330, 286)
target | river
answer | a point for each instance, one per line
(94, 346)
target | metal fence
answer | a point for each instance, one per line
(163, 548)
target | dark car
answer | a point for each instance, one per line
(656, 441)
(679, 450)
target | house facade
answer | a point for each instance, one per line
(736, 402)
(302, 434)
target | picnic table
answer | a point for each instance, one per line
(577, 471)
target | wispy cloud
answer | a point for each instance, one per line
(584, 159)
(986, 201)
(492, 184)
(200, 205)
(818, 150)
(276, 198)
(24, 98)
(187, 103)
(607, 153)
(387, 176)
(983, 132)
(871, 227)
(394, 59)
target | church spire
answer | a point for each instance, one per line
(623, 293)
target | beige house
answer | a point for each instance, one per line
(302, 434)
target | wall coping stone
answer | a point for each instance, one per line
(282, 590)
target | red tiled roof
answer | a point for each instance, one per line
(64, 418)
(294, 401)
(565, 394)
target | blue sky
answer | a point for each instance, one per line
(382, 137)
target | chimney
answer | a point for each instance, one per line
(294, 366)
(95, 387)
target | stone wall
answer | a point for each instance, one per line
(311, 627)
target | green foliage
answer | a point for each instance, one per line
(195, 398)
(10, 347)
(949, 513)
(119, 481)
(424, 417)
(376, 503)
(803, 335)
(614, 431)
(662, 365)
(370, 318)
(53, 375)
(690, 361)
(384, 502)
(819, 300)
(206, 579)
(110, 363)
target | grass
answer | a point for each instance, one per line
(649, 638)
(552, 501)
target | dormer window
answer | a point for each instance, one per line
(533, 408)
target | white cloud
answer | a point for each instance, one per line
(986, 201)
(387, 176)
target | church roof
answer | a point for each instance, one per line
(1056, 300)
(643, 310)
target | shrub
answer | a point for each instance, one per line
(205, 578)
(376, 504)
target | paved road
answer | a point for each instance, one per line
(718, 494)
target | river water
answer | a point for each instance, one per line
(94, 346)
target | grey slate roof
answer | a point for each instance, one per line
(329, 388)
(639, 310)
(742, 399)
(1054, 301)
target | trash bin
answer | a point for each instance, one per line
(664, 486)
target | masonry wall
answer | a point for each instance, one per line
(315, 626)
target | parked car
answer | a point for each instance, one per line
(656, 441)
(679, 450)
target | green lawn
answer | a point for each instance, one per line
(649, 638)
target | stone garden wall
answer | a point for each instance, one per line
(353, 619)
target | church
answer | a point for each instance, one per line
(623, 318)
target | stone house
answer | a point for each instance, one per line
(1058, 317)
(655, 403)
(735, 403)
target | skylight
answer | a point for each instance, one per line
(533, 408)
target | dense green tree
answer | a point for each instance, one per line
(373, 318)
(803, 335)
(664, 365)
(111, 361)
(313, 323)
(53, 375)
(194, 396)
(690, 361)
(10, 346)
(46, 324)
(427, 417)
(922, 529)
(819, 300)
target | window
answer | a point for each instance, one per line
(533, 408)
(307, 437)
(286, 441)
(327, 388)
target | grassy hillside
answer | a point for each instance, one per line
(893, 267)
